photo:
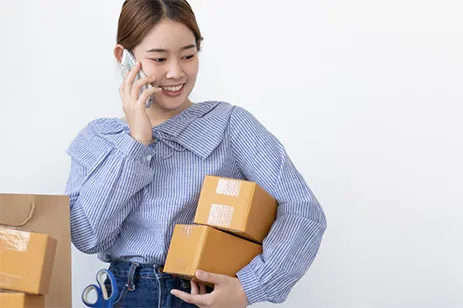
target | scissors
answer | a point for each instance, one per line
(103, 300)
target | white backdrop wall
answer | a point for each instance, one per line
(366, 96)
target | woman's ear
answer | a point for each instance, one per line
(118, 51)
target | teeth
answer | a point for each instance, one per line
(173, 89)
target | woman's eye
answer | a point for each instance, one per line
(189, 57)
(159, 60)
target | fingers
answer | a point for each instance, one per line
(126, 87)
(199, 300)
(130, 90)
(197, 288)
(202, 289)
(146, 94)
(210, 277)
(194, 287)
(136, 87)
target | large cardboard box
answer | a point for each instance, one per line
(47, 214)
(21, 300)
(196, 247)
(26, 261)
(237, 206)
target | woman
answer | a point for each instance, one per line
(133, 179)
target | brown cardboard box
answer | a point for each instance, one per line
(237, 206)
(26, 261)
(196, 247)
(21, 300)
(47, 214)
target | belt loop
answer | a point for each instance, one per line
(158, 270)
(131, 276)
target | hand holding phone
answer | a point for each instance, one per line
(128, 62)
(135, 92)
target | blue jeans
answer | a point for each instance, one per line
(145, 285)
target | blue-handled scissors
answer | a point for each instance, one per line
(103, 300)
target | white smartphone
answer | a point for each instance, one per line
(127, 63)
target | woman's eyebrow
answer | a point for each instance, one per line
(166, 50)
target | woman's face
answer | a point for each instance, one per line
(169, 53)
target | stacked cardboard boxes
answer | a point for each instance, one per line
(26, 264)
(16, 300)
(232, 219)
(35, 251)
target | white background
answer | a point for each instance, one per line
(366, 96)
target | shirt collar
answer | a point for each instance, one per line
(203, 135)
(176, 124)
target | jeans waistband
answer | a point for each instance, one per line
(133, 270)
(130, 271)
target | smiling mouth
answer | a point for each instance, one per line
(173, 88)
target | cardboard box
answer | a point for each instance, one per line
(240, 207)
(21, 300)
(26, 261)
(46, 214)
(196, 247)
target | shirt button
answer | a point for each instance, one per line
(149, 157)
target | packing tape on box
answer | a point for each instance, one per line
(228, 187)
(220, 215)
(13, 240)
(187, 230)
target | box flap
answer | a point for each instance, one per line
(24, 206)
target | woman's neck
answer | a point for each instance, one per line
(159, 115)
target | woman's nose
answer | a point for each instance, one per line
(175, 71)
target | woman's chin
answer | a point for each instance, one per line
(172, 103)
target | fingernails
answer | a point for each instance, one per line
(199, 273)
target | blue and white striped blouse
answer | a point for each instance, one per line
(127, 197)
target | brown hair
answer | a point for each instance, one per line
(138, 17)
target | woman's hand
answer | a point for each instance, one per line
(134, 105)
(228, 292)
